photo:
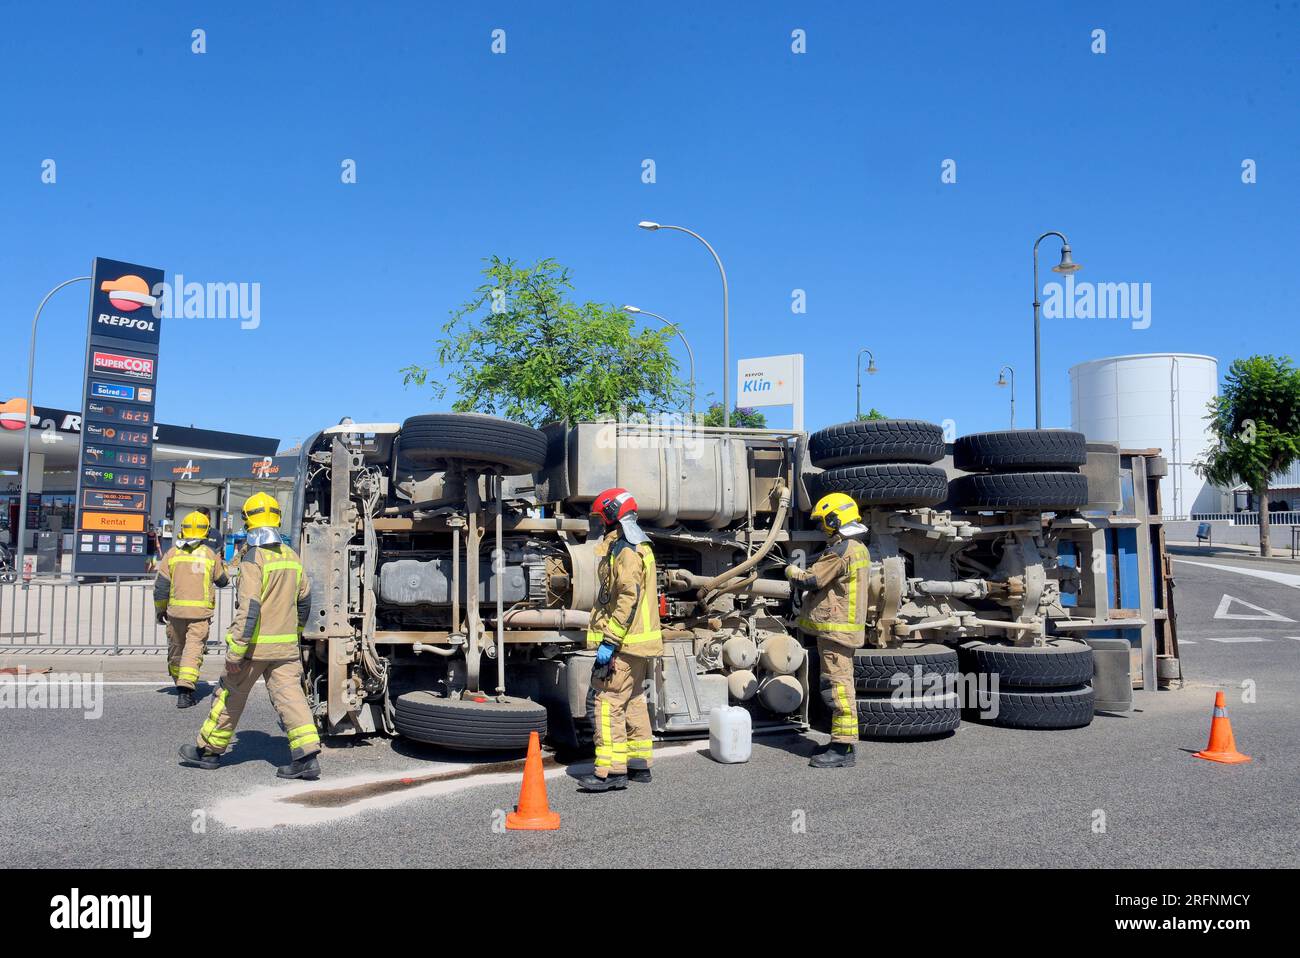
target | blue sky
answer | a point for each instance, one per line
(818, 171)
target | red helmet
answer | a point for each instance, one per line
(613, 504)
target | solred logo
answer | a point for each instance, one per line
(128, 293)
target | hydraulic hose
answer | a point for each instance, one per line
(778, 522)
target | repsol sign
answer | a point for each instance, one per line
(114, 325)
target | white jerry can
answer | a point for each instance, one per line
(730, 734)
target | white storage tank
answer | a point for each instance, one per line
(1153, 401)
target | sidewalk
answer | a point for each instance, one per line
(1229, 551)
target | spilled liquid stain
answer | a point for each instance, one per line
(340, 797)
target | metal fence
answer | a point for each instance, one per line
(111, 615)
(1248, 518)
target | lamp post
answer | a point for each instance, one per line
(27, 431)
(871, 371)
(1067, 265)
(726, 322)
(680, 335)
(1002, 381)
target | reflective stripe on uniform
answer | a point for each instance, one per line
(645, 633)
(303, 735)
(845, 720)
(187, 674)
(209, 600)
(640, 748)
(852, 625)
(208, 731)
(235, 648)
(276, 565)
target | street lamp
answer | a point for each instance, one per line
(27, 432)
(1066, 265)
(1002, 381)
(680, 335)
(726, 322)
(871, 371)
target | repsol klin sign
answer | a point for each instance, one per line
(114, 476)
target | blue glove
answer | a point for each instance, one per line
(604, 652)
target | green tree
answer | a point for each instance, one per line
(520, 348)
(871, 415)
(742, 417)
(1256, 424)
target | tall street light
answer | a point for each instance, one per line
(726, 322)
(1002, 381)
(871, 371)
(27, 432)
(680, 335)
(1066, 265)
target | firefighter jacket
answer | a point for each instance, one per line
(274, 599)
(835, 605)
(187, 575)
(627, 606)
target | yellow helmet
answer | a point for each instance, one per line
(835, 509)
(194, 526)
(261, 509)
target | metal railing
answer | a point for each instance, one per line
(110, 614)
(1248, 518)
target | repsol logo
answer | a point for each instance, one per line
(126, 322)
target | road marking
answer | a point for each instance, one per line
(1232, 639)
(1265, 615)
(276, 805)
(1186, 642)
(1284, 578)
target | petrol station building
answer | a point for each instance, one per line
(192, 468)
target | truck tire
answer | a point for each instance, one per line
(1037, 491)
(873, 668)
(1020, 450)
(921, 716)
(1055, 709)
(437, 437)
(1062, 663)
(903, 484)
(469, 725)
(880, 440)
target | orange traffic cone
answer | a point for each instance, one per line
(532, 813)
(1222, 747)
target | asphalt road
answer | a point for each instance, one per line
(107, 791)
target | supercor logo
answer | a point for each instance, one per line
(127, 293)
(133, 367)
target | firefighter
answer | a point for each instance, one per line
(274, 599)
(625, 633)
(184, 597)
(834, 610)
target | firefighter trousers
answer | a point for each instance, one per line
(621, 718)
(283, 684)
(185, 641)
(837, 681)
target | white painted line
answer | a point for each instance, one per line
(272, 806)
(1264, 614)
(1237, 639)
(1186, 642)
(1284, 578)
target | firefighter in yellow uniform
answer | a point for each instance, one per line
(834, 610)
(274, 599)
(184, 595)
(625, 633)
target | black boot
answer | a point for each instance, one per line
(839, 755)
(185, 699)
(306, 768)
(193, 757)
(594, 783)
(639, 775)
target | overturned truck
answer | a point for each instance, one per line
(452, 566)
